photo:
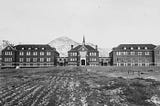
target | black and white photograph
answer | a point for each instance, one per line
(79, 52)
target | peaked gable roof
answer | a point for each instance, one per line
(9, 47)
(157, 47)
(90, 48)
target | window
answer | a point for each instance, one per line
(131, 48)
(34, 59)
(41, 53)
(41, 59)
(125, 53)
(119, 53)
(42, 48)
(29, 48)
(27, 59)
(48, 53)
(118, 64)
(28, 53)
(48, 59)
(8, 59)
(92, 54)
(125, 64)
(93, 59)
(132, 64)
(146, 48)
(146, 64)
(124, 48)
(20, 59)
(36, 48)
(22, 48)
(139, 48)
(6, 53)
(73, 59)
(74, 54)
(139, 64)
(21, 53)
(139, 53)
(132, 53)
(146, 53)
(34, 53)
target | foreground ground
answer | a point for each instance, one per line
(78, 87)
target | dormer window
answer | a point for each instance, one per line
(42, 48)
(145, 48)
(22, 48)
(29, 48)
(139, 48)
(131, 48)
(124, 48)
(36, 48)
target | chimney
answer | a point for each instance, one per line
(71, 46)
(96, 47)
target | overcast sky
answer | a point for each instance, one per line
(104, 22)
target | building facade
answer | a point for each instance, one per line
(157, 56)
(29, 56)
(83, 55)
(104, 61)
(8, 57)
(133, 55)
(62, 61)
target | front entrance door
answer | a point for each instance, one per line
(83, 62)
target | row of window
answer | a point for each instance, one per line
(35, 64)
(132, 59)
(32, 48)
(8, 53)
(73, 54)
(8, 59)
(34, 53)
(91, 54)
(133, 64)
(132, 53)
(75, 59)
(93, 59)
(35, 59)
(131, 48)
(61, 59)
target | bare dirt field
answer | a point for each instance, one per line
(80, 86)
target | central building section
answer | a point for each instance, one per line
(83, 55)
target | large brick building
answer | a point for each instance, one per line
(133, 55)
(83, 55)
(29, 56)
